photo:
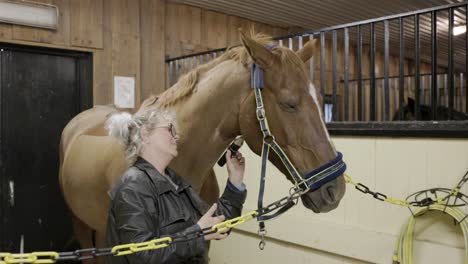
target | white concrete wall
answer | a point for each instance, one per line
(362, 229)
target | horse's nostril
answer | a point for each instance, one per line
(331, 194)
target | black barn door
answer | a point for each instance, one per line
(40, 91)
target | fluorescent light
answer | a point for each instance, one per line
(458, 30)
(29, 14)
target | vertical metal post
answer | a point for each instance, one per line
(322, 67)
(171, 73)
(466, 60)
(423, 90)
(451, 87)
(176, 71)
(335, 78)
(386, 114)
(372, 104)
(359, 73)
(311, 61)
(417, 85)
(401, 94)
(434, 83)
(460, 93)
(346, 74)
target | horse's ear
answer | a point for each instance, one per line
(307, 51)
(260, 55)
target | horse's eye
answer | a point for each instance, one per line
(289, 107)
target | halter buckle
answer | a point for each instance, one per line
(261, 113)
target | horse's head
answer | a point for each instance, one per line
(294, 115)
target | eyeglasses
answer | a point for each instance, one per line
(171, 128)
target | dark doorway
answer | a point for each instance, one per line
(40, 91)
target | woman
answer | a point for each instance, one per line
(152, 201)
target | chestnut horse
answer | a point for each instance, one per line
(213, 103)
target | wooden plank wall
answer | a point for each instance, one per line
(132, 38)
(191, 29)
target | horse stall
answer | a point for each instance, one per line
(393, 94)
(381, 80)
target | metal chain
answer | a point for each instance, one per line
(126, 249)
(455, 192)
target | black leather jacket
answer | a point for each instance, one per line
(146, 205)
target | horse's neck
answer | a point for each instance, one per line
(209, 120)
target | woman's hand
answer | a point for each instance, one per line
(236, 167)
(208, 220)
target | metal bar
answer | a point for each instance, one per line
(395, 96)
(434, 82)
(182, 67)
(346, 74)
(359, 72)
(311, 61)
(335, 77)
(402, 70)
(372, 109)
(417, 62)
(322, 67)
(408, 89)
(386, 113)
(176, 71)
(462, 91)
(423, 90)
(171, 72)
(379, 94)
(451, 80)
(460, 94)
(445, 90)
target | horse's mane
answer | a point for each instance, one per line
(187, 84)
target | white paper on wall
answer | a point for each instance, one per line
(124, 92)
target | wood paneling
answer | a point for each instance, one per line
(103, 85)
(132, 38)
(86, 23)
(190, 30)
(125, 28)
(59, 37)
(214, 33)
(6, 31)
(152, 23)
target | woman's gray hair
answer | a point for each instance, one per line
(127, 128)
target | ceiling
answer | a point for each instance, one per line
(313, 15)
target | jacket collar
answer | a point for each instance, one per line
(161, 183)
